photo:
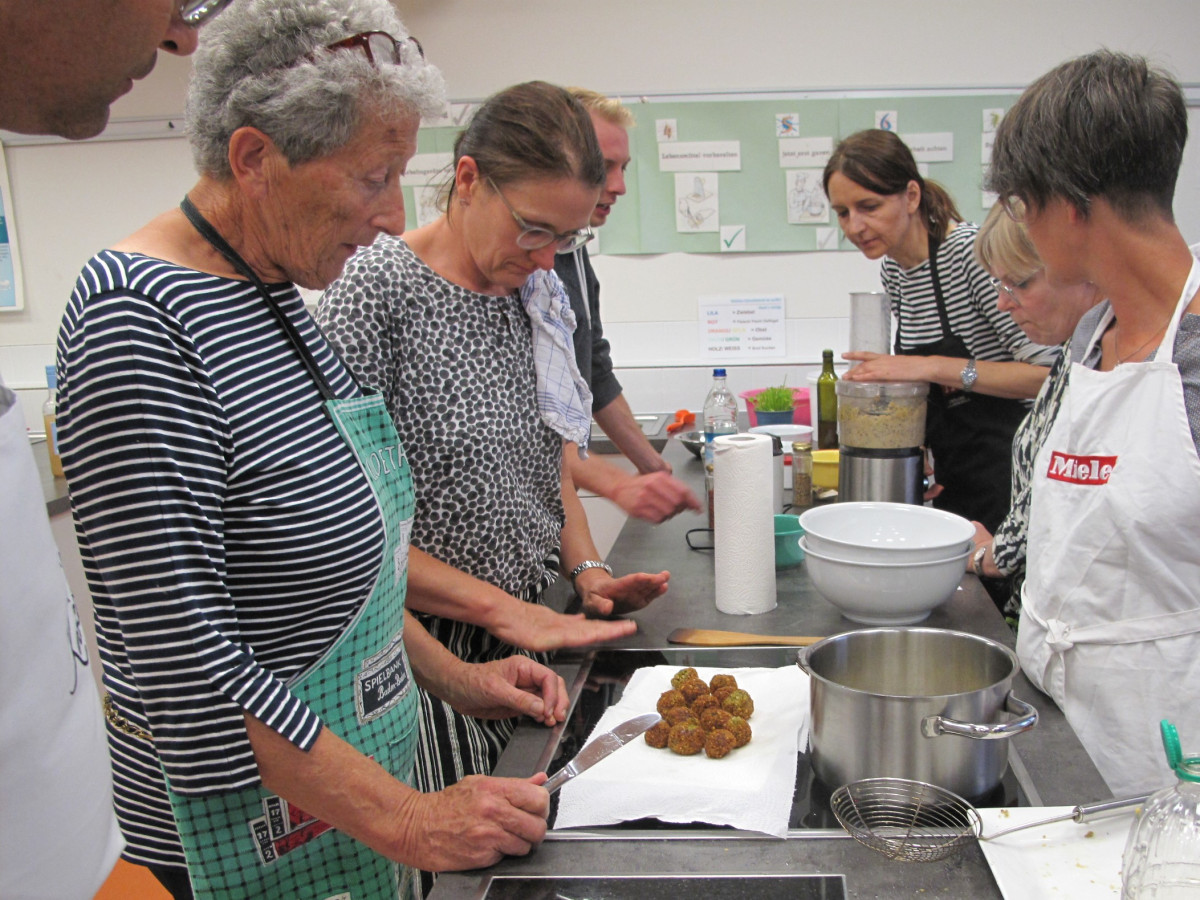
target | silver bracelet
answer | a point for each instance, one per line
(589, 564)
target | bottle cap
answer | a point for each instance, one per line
(718, 373)
(1187, 769)
(51, 377)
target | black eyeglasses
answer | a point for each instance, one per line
(381, 47)
(534, 237)
(196, 12)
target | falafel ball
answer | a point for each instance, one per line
(718, 743)
(693, 689)
(668, 699)
(677, 714)
(740, 729)
(720, 681)
(657, 735)
(683, 675)
(686, 739)
(714, 718)
(722, 692)
(703, 702)
(738, 704)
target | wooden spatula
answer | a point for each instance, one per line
(706, 638)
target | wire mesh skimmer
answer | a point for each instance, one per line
(918, 822)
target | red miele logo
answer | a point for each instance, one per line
(1080, 469)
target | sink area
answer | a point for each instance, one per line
(654, 426)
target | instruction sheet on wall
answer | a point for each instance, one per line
(11, 295)
(736, 328)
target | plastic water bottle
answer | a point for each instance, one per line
(1162, 854)
(720, 417)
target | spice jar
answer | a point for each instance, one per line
(802, 472)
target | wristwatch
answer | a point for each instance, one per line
(969, 375)
(589, 564)
(977, 559)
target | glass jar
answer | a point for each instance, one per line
(802, 473)
(1162, 853)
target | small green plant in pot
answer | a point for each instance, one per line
(774, 405)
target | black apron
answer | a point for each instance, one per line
(970, 434)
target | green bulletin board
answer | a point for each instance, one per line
(756, 197)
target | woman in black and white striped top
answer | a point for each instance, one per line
(230, 534)
(949, 331)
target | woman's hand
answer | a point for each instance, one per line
(603, 595)
(513, 686)
(888, 367)
(475, 822)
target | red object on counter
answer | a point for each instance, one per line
(683, 419)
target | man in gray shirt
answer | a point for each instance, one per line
(653, 493)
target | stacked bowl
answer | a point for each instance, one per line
(885, 563)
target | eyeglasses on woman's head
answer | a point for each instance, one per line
(380, 47)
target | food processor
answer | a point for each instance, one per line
(881, 427)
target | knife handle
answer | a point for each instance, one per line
(559, 778)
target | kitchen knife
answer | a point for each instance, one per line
(600, 747)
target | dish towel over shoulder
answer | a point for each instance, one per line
(563, 396)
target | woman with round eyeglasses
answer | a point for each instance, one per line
(243, 507)
(1048, 315)
(948, 329)
(465, 330)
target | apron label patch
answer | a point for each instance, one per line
(383, 681)
(284, 827)
(1080, 469)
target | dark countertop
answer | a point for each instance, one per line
(53, 488)
(1049, 762)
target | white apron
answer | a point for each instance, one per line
(1110, 622)
(58, 835)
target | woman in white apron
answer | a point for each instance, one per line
(1110, 624)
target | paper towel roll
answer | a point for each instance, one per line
(744, 523)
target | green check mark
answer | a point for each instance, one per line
(733, 237)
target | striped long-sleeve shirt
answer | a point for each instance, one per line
(226, 530)
(988, 332)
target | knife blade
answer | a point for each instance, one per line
(601, 746)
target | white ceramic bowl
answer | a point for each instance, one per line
(884, 593)
(886, 532)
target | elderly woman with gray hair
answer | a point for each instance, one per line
(243, 510)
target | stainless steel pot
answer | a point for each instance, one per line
(921, 703)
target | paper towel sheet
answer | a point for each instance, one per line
(1062, 859)
(744, 523)
(751, 788)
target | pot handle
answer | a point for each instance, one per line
(802, 659)
(932, 726)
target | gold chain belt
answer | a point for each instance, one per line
(121, 723)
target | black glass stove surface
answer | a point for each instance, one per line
(610, 671)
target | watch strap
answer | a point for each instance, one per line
(589, 564)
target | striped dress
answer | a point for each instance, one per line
(227, 533)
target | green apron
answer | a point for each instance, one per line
(251, 843)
